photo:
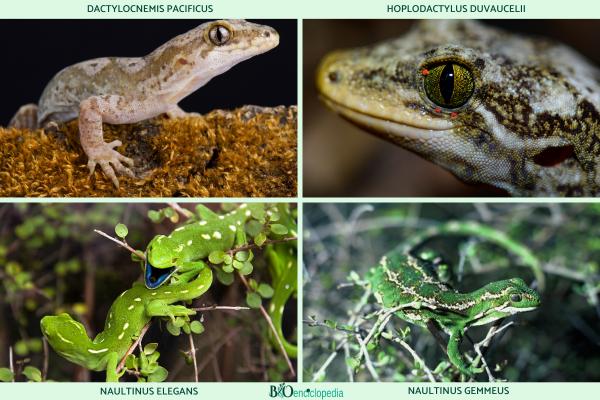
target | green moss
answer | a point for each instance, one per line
(247, 152)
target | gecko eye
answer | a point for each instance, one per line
(515, 298)
(219, 35)
(449, 84)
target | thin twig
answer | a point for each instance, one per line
(184, 212)
(317, 375)
(133, 346)
(272, 327)
(122, 244)
(368, 363)
(45, 363)
(216, 307)
(10, 362)
(493, 331)
(416, 357)
(193, 353)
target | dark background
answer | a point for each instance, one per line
(369, 166)
(33, 51)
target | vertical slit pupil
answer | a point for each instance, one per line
(447, 82)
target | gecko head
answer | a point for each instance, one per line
(490, 106)
(195, 57)
(504, 298)
(162, 252)
(65, 335)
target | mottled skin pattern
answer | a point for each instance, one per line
(531, 127)
(127, 90)
(133, 309)
(411, 284)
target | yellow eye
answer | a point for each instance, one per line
(449, 85)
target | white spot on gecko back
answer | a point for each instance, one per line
(130, 307)
(126, 326)
(189, 242)
(202, 223)
(206, 236)
(217, 235)
(180, 228)
(121, 335)
(137, 299)
(98, 351)
(92, 67)
(233, 228)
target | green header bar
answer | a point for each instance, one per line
(262, 391)
(299, 9)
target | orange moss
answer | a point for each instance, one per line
(247, 152)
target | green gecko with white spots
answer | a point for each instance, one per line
(410, 286)
(189, 244)
(129, 313)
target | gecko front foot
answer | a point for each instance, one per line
(110, 160)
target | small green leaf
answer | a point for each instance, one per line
(154, 216)
(32, 373)
(352, 362)
(173, 330)
(242, 256)
(247, 268)
(6, 375)
(253, 228)
(253, 284)
(21, 348)
(253, 300)
(228, 268)
(227, 259)
(260, 239)
(238, 264)
(150, 348)
(265, 290)
(159, 375)
(216, 257)
(224, 277)
(197, 327)
(35, 345)
(186, 329)
(179, 322)
(131, 362)
(121, 231)
(279, 229)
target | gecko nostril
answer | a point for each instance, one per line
(267, 34)
(334, 76)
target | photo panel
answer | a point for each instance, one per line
(464, 108)
(149, 108)
(136, 292)
(445, 292)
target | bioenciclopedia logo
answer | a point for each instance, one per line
(286, 391)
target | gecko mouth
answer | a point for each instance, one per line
(383, 126)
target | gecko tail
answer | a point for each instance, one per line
(25, 118)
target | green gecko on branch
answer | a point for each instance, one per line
(129, 313)
(410, 285)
